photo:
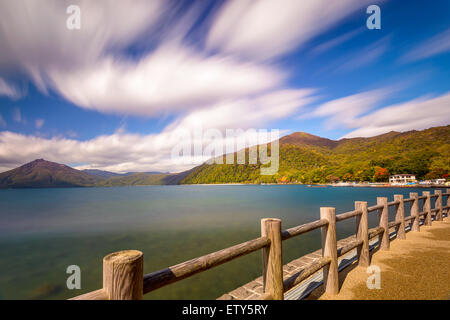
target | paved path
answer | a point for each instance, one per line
(415, 268)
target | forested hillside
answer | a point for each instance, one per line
(306, 158)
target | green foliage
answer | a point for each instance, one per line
(308, 159)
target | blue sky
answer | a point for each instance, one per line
(111, 94)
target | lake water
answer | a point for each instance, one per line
(42, 231)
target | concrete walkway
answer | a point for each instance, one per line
(415, 268)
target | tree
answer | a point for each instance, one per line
(347, 177)
(381, 174)
(436, 174)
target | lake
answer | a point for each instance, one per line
(42, 231)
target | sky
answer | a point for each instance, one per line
(137, 77)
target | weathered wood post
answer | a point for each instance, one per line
(400, 216)
(383, 219)
(362, 233)
(427, 208)
(329, 249)
(415, 211)
(438, 205)
(272, 259)
(448, 203)
(123, 275)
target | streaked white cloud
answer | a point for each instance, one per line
(247, 112)
(172, 78)
(87, 68)
(417, 114)
(264, 29)
(330, 44)
(360, 58)
(34, 36)
(123, 151)
(345, 110)
(9, 90)
(437, 44)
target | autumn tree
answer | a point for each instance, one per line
(381, 174)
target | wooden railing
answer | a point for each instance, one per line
(123, 277)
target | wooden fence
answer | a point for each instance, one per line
(123, 277)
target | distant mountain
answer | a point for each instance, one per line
(135, 179)
(148, 172)
(101, 173)
(306, 158)
(108, 174)
(45, 174)
(144, 179)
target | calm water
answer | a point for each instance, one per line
(42, 231)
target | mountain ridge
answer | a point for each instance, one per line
(304, 158)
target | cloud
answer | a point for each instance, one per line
(9, 90)
(330, 44)
(39, 123)
(172, 78)
(359, 58)
(123, 151)
(88, 68)
(264, 29)
(438, 44)
(417, 114)
(34, 37)
(345, 110)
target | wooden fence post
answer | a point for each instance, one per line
(415, 211)
(383, 218)
(400, 216)
(123, 275)
(272, 259)
(329, 249)
(362, 233)
(438, 205)
(427, 208)
(448, 203)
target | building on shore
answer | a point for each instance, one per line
(402, 179)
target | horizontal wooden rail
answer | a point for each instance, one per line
(99, 294)
(409, 200)
(295, 231)
(410, 218)
(394, 223)
(347, 215)
(422, 197)
(349, 247)
(158, 279)
(305, 273)
(376, 207)
(186, 269)
(392, 203)
(375, 231)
